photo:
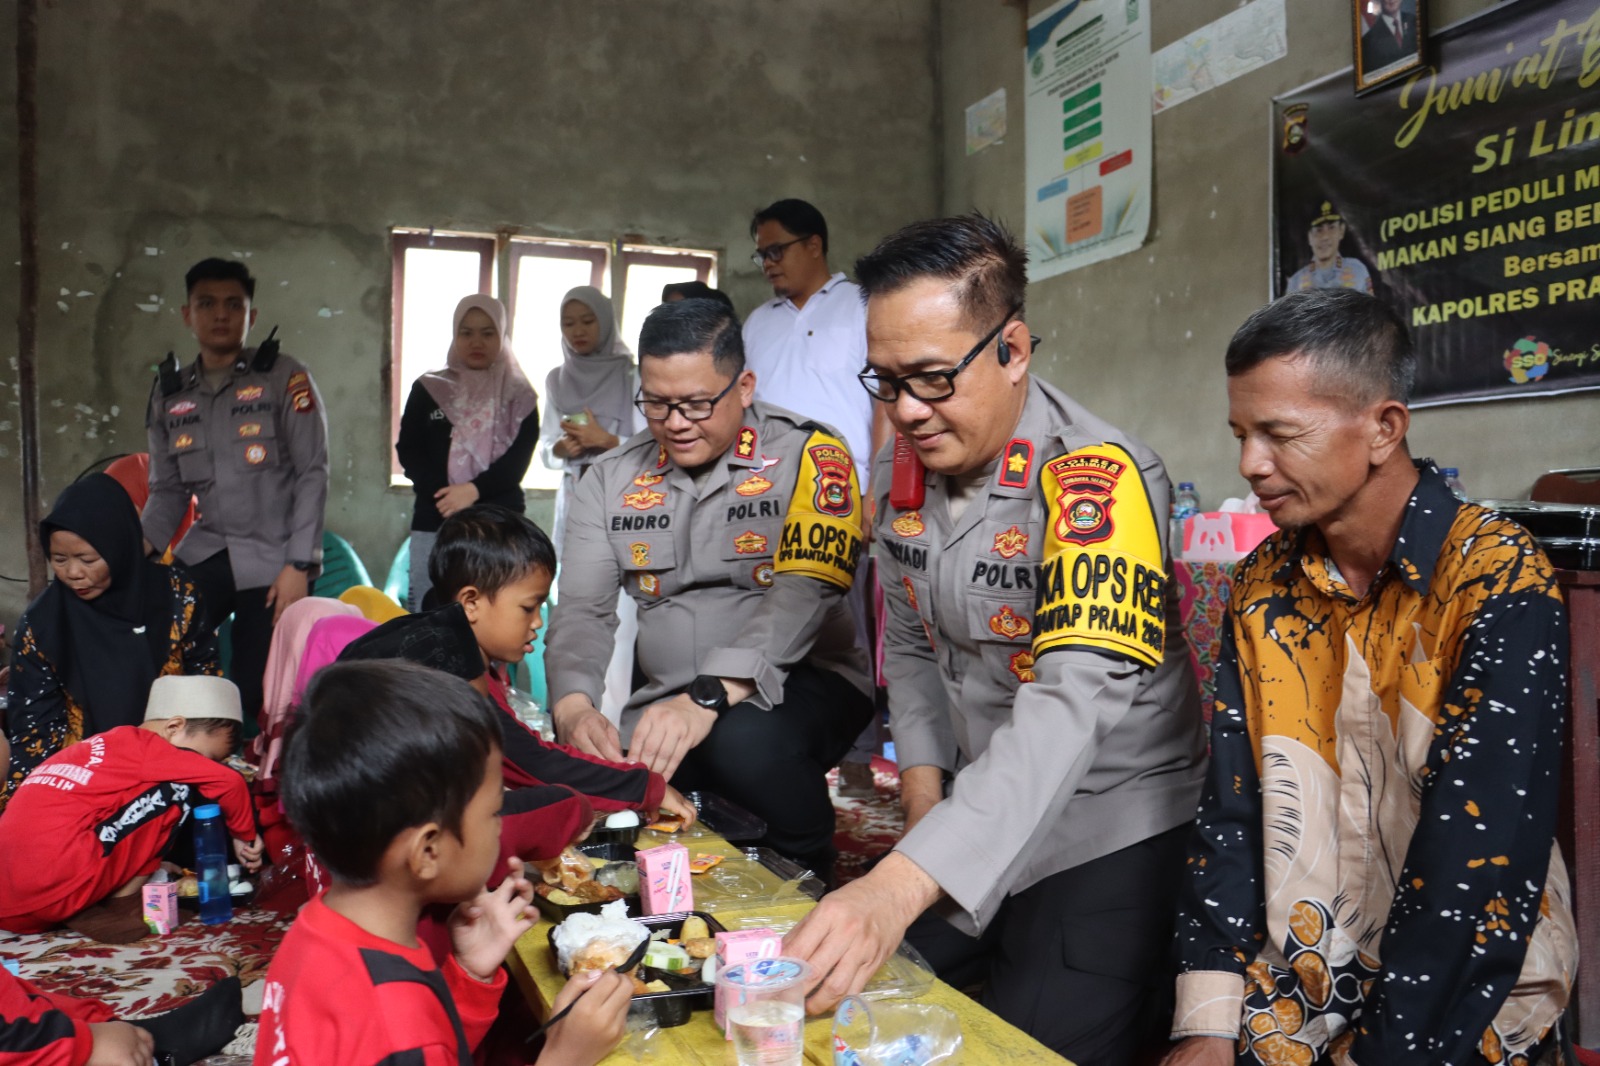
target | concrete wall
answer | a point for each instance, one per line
(1139, 339)
(295, 134)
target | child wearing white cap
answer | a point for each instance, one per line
(85, 830)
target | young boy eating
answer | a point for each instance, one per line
(85, 831)
(392, 775)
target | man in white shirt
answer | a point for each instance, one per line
(807, 344)
(806, 347)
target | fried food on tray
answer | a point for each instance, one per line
(567, 870)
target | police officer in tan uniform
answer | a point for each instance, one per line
(736, 527)
(243, 430)
(1044, 710)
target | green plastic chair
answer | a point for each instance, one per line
(341, 567)
(397, 586)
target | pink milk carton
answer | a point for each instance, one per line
(664, 886)
(161, 907)
(741, 945)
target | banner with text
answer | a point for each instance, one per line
(1467, 197)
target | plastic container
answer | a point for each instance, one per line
(688, 993)
(894, 1034)
(1452, 478)
(752, 877)
(558, 913)
(766, 1010)
(211, 856)
(728, 820)
(1185, 505)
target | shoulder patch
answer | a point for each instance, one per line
(822, 530)
(1018, 464)
(1102, 585)
(746, 448)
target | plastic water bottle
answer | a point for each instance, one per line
(211, 856)
(1452, 478)
(1185, 504)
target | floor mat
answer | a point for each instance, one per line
(866, 828)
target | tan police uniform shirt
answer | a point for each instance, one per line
(254, 450)
(743, 575)
(1033, 647)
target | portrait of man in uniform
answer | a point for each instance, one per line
(1329, 269)
(1388, 40)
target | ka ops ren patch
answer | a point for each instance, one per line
(1102, 584)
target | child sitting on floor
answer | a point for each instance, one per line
(85, 830)
(392, 775)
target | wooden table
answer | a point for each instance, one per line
(987, 1040)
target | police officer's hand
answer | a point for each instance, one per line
(854, 930)
(669, 730)
(580, 724)
(120, 1044)
(453, 498)
(287, 589)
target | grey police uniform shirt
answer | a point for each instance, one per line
(1034, 649)
(741, 576)
(255, 453)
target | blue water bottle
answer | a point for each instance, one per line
(211, 856)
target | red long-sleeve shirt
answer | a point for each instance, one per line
(41, 1029)
(100, 813)
(340, 995)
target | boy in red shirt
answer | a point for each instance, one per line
(392, 776)
(92, 822)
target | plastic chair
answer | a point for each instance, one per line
(397, 586)
(341, 567)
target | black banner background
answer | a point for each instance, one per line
(1515, 96)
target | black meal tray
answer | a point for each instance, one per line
(611, 853)
(727, 819)
(688, 994)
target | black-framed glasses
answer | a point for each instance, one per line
(930, 385)
(693, 410)
(773, 252)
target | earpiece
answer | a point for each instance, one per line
(1003, 353)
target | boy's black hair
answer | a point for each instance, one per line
(378, 748)
(488, 547)
(1356, 343)
(690, 326)
(207, 726)
(214, 269)
(796, 216)
(695, 290)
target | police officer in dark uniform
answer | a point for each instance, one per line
(242, 429)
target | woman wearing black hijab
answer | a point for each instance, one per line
(109, 624)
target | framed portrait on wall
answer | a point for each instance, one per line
(1389, 41)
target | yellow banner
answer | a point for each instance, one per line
(1102, 585)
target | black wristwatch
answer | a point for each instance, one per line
(707, 691)
(302, 567)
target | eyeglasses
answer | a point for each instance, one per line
(931, 385)
(773, 252)
(693, 410)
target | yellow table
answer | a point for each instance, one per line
(987, 1040)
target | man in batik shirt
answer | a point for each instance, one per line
(1373, 876)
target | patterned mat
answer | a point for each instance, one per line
(866, 828)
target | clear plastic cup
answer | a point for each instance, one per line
(894, 1034)
(766, 1010)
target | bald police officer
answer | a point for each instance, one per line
(1043, 707)
(242, 429)
(736, 527)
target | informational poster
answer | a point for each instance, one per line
(1087, 74)
(1243, 40)
(1466, 196)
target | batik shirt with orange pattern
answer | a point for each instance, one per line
(1373, 876)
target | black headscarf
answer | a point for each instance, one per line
(441, 639)
(109, 649)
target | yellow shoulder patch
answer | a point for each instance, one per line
(822, 531)
(1102, 585)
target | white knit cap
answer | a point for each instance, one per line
(194, 696)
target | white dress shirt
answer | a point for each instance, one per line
(806, 359)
